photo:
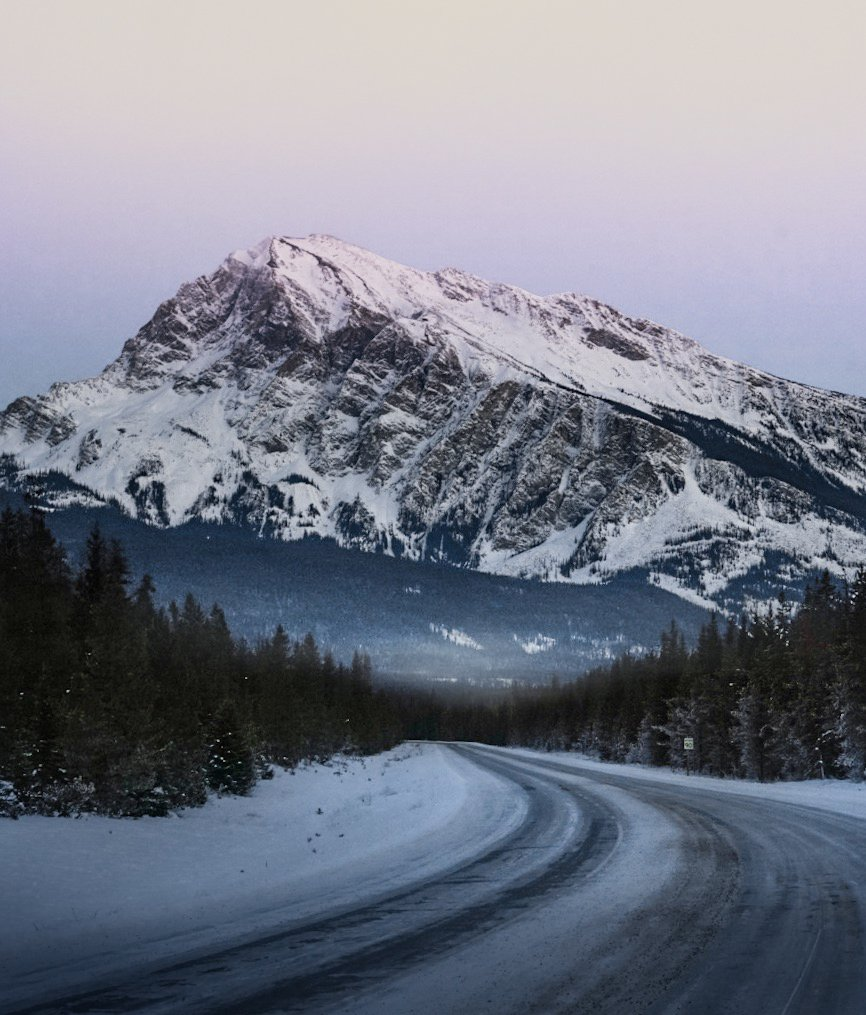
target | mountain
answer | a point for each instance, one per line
(309, 387)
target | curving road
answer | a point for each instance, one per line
(614, 894)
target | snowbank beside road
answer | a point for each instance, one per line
(89, 892)
(840, 797)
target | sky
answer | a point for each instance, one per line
(697, 163)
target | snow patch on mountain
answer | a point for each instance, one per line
(456, 637)
(537, 643)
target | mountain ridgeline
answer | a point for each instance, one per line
(308, 387)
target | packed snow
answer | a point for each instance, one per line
(93, 894)
(837, 796)
(84, 897)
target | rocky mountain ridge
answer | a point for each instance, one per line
(311, 387)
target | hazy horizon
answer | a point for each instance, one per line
(702, 168)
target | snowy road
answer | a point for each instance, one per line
(616, 892)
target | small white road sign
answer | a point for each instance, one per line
(688, 743)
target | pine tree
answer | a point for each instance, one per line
(231, 765)
(850, 688)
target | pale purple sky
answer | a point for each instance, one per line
(700, 164)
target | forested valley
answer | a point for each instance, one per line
(111, 704)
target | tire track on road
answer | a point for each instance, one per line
(563, 836)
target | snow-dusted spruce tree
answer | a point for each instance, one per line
(757, 738)
(850, 685)
(651, 745)
(763, 655)
(231, 763)
(809, 718)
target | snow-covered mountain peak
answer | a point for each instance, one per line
(311, 386)
(558, 336)
(327, 284)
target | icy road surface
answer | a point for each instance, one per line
(550, 884)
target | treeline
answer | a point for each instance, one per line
(110, 704)
(775, 696)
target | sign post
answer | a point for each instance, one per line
(688, 746)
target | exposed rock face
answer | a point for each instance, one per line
(310, 386)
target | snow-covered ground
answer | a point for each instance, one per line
(81, 898)
(84, 894)
(827, 795)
